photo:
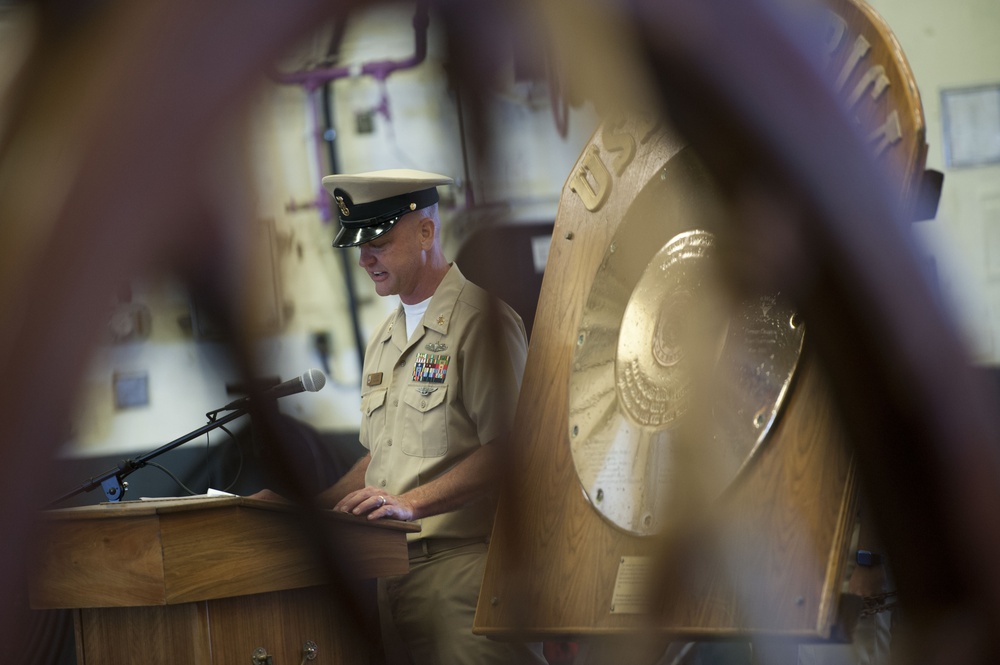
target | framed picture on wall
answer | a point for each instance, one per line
(971, 121)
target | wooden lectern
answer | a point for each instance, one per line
(210, 580)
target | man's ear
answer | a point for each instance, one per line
(426, 225)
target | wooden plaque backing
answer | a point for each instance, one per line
(553, 559)
(774, 560)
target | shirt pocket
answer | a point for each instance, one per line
(425, 419)
(372, 416)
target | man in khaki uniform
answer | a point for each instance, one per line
(439, 388)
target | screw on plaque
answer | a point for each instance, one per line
(261, 657)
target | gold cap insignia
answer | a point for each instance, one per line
(343, 207)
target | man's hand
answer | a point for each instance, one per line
(376, 504)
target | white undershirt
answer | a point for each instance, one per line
(413, 315)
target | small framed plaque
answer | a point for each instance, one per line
(131, 389)
(631, 594)
(971, 120)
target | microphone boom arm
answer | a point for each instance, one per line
(111, 480)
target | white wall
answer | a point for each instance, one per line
(955, 45)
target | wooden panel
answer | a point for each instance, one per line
(775, 559)
(150, 635)
(366, 552)
(176, 551)
(552, 559)
(91, 564)
(770, 556)
(864, 56)
(223, 631)
(220, 553)
(281, 623)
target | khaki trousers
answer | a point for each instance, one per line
(427, 614)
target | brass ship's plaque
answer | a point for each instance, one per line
(659, 333)
(613, 399)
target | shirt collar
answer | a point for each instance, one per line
(439, 311)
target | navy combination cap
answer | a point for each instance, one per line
(369, 204)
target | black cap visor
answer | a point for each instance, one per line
(363, 222)
(351, 237)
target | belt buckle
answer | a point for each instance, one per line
(417, 548)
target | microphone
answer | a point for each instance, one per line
(312, 381)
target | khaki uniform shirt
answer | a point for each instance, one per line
(429, 401)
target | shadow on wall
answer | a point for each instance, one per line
(508, 260)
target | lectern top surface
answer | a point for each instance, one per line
(167, 505)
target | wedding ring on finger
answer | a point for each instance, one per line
(381, 501)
